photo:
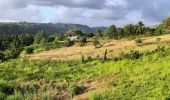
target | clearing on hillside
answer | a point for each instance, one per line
(114, 47)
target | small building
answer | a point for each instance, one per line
(73, 38)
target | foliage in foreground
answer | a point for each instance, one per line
(145, 77)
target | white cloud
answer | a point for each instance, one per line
(90, 12)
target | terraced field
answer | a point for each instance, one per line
(114, 47)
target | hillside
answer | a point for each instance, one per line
(49, 28)
(114, 47)
(146, 77)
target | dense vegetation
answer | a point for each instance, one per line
(50, 28)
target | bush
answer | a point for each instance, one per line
(82, 59)
(75, 90)
(51, 45)
(69, 43)
(2, 56)
(8, 54)
(158, 40)
(15, 53)
(89, 58)
(132, 54)
(83, 41)
(6, 88)
(138, 41)
(105, 55)
(29, 50)
(2, 96)
(160, 48)
(96, 43)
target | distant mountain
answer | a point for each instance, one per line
(11, 28)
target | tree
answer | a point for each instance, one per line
(138, 41)
(149, 31)
(90, 35)
(160, 29)
(78, 32)
(129, 29)
(120, 33)
(16, 43)
(39, 36)
(111, 32)
(140, 27)
(96, 42)
(61, 37)
(26, 39)
(51, 38)
(166, 23)
(69, 43)
(99, 33)
(43, 41)
(83, 40)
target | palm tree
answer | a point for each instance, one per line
(140, 27)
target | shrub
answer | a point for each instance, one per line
(29, 50)
(39, 37)
(82, 59)
(117, 58)
(6, 88)
(56, 41)
(15, 53)
(2, 56)
(61, 38)
(160, 48)
(138, 41)
(69, 43)
(75, 90)
(2, 96)
(132, 54)
(83, 40)
(51, 39)
(8, 54)
(105, 55)
(96, 42)
(158, 40)
(51, 45)
(89, 58)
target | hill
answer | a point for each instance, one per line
(49, 28)
(146, 77)
(114, 47)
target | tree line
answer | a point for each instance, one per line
(12, 45)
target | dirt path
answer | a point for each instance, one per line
(96, 86)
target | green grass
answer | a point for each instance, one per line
(145, 78)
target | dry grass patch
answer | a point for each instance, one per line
(114, 47)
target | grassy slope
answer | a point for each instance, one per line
(113, 46)
(144, 78)
(147, 77)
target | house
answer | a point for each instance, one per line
(73, 38)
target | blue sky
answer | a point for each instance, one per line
(87, 12)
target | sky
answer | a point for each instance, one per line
(86, 12)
